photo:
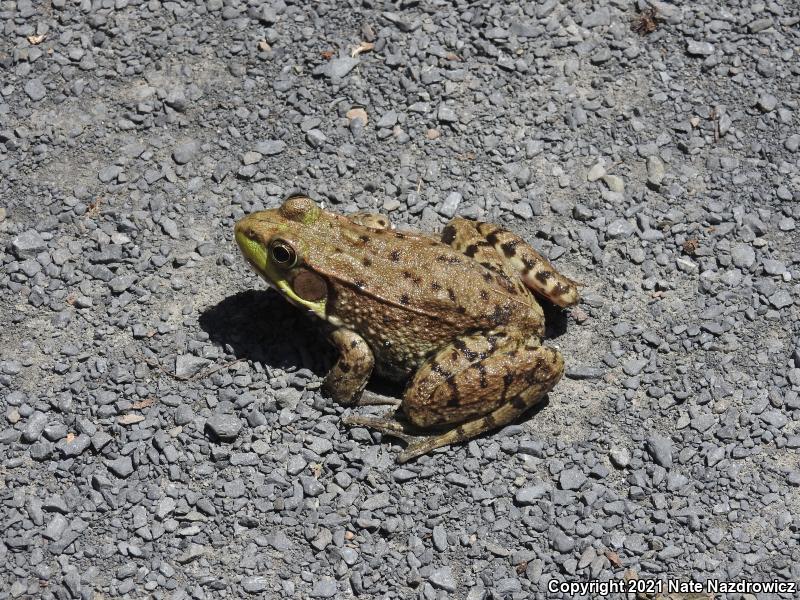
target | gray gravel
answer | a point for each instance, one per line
(163, 431)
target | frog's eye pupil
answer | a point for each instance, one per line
(282, 253)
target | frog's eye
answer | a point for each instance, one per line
(282, 254)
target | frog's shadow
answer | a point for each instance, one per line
(555, 320)
(261, 327)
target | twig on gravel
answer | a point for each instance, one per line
(201, 375)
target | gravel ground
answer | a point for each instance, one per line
(163, 434)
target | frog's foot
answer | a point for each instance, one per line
(387, 425)
(420, 446)
(369, 398)
(500, 250)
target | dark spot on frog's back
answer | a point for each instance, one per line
(451, 294)
(452, 260)
(544, 276)
(484, 295)
(501, 315)
(506, 284)
(363, 238)
(394, 256)
(510, 248)
(448, 234)
(415, 278)
(360, 284)
(436, 286)
(404, 299)
(366, 261)
(471, 250)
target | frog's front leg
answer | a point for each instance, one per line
(476, 384)
(346, 380)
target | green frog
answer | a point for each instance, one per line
(455, 315)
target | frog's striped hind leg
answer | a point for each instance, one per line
(478, 383)
(493, 245)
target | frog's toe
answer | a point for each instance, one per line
(369, 398)
(386, 425)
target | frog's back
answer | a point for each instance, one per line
(408, 293)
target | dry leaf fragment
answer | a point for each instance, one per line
(579, 315)
(263, 46)
(143, 403)
(130, 419)
(362, 47)
(35, 40)
(613, 558)
(695, 121)
(357, 113)
(326, 54)
(432, 134)
(690, 246)
(70, 437)
(645, 22)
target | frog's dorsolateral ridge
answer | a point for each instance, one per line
(453, 315)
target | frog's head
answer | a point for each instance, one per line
(274, 243)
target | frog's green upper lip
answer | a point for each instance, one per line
(253, 250)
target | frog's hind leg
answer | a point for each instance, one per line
(477, 384)
(491, 245)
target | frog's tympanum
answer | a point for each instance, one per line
(454, 316)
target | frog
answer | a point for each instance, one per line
(454, 316)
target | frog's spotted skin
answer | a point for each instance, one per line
(455, 316)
